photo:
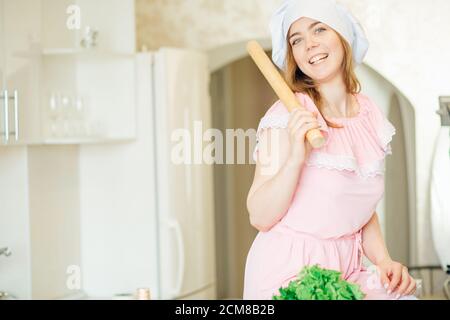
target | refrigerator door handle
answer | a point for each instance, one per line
(175, 225)
(5, 111)
(16, 114)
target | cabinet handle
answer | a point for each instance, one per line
(16, 114)
(5, 106)
(5, 252)
(6, 99)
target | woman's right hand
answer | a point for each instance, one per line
(300, 122)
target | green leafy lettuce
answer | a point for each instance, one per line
(315, 283)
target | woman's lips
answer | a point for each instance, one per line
(319, 61)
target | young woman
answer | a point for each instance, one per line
(317, 206)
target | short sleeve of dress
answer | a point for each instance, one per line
(278, 117)
(384, 129)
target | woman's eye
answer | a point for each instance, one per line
(298, 40)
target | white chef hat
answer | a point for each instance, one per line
(329, 12)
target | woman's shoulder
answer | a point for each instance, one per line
(384, 129)
(278, 108)
(369, 104)
(277, 116)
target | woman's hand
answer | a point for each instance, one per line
(300, 122)
(395, 278)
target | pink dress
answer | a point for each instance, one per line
(337, 194)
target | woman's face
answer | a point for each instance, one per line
(309, 38)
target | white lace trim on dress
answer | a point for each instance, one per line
(270, 121)
(339, 162)
(342, 162)
(273, 121)
(386, 135)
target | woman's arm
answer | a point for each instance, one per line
(275, 181)
(373, 244)
(393, 274)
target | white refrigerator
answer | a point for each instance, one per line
(146, 221)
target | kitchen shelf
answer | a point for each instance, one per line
(102, 140)
(69, 52)
(84, 52)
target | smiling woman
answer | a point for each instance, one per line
(314, 45)
(318, 205)
(296, 39)
(333, 68)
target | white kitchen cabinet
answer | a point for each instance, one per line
(60, 91)
(88, 89)
(2, 46)
(15, 277)
(39, 220)
(88, 97)
(20, 34)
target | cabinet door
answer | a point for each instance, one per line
(21, 35)
(2, 55)
(15, 270)
(108, 87)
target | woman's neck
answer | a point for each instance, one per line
(336, 101)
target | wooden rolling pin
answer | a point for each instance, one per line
(276, 81)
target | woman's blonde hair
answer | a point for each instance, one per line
(300, 82)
